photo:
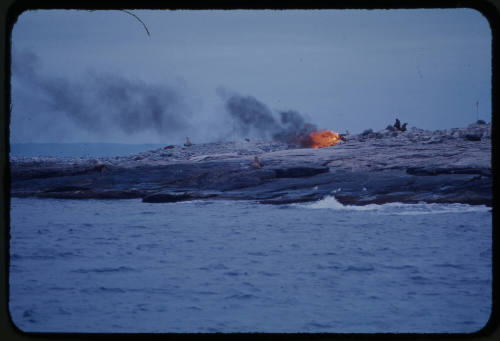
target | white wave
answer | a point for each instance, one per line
(396, 208)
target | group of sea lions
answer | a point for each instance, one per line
(400, 127)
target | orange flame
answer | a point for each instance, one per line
(322, 138)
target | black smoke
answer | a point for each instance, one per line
(293, 127)
(101, 103)
(253, 118)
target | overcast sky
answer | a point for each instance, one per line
(81, 76)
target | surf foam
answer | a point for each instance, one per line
(397, 208)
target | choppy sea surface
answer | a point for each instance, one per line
(237, 266)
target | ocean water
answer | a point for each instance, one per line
(237, 266)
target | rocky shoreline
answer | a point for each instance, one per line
(442, 166)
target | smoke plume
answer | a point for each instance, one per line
(102, 103)
(112, 108)
(253, 118)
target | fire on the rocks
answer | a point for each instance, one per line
(321, 138)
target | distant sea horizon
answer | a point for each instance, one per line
(79, 149)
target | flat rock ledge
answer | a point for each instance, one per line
(443, 166)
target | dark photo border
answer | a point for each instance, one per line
(11, 9)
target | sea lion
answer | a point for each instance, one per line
(100, 167)
(343, 137)
(256, 163)
(397, 125)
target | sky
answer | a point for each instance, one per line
(97, 76)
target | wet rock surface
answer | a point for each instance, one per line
(444, 166)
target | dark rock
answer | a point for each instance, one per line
(169, 147)
(473, 137)
(431, 171)
(66, 189)
(164, 197)
(466, 198)
(293, 200)
(93, 194)
(358, 200)
(299, 172)
(367, 132)
(480, 122)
